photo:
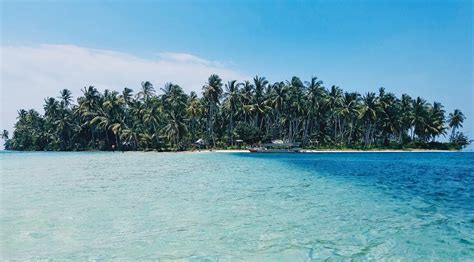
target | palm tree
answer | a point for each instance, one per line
(246, 99)
(260, 84)
(455, 120)
(52, 112)
(146, 92)
(117, 128)
(103, 122)
(212, 91)
(368, 113)
(436, 120)
(349, 111)
(335, 102)
(231, 101)
(390, 122)
(151, 119)
(175, 129)
(296, 105)
(292, 110)
(127, 96)
(174, 105)
(91, 97)
(66, 97)
(278, 103)
(194, 111)
(4, 135)
(315, 95)
(145, 139)
(420, 114)
(51, 107)
(406, 112)
(130, 136)
(88, 105)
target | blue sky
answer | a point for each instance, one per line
(423, 48)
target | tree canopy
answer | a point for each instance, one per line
(252, 111)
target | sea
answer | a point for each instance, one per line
(237, 206)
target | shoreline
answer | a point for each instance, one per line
(312, 151)
(315, 151)
(303, 151)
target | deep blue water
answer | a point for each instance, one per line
(445, 180)
(238, 206)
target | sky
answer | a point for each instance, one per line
(423, 48)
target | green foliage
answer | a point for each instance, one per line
(250, 134)
(253, 111)
(459, 141)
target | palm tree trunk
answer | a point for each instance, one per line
(289, 131)
(107, 136)
(193, 131)
(306, 128)
(211, 127)
(69, 138)
(278, 122)
(367, 134)
(209, 123)
(372, 136)
(350, 133)
(156, 135)
(256, 119)
(93, 138)
(231, 127)
(116, 141)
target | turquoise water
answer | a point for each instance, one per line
(219, 206)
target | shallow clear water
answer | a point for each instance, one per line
(218, 206)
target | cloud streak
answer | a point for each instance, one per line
(29, 74)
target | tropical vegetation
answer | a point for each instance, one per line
(235, 114)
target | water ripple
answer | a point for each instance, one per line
(228, 207)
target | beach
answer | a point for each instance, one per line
(331, 151)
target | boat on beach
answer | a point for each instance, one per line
(266, 150)
(277, 146)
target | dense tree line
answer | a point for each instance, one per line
(251, 111)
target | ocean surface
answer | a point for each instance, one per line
(237, 206)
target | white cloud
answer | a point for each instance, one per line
(185, 58)
(29, 74)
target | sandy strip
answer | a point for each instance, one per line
(307, 151)
(377, 151)
(331, 151)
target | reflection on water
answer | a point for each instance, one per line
(215, 206)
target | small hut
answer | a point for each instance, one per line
(200, 143)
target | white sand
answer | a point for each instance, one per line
(330, 151)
